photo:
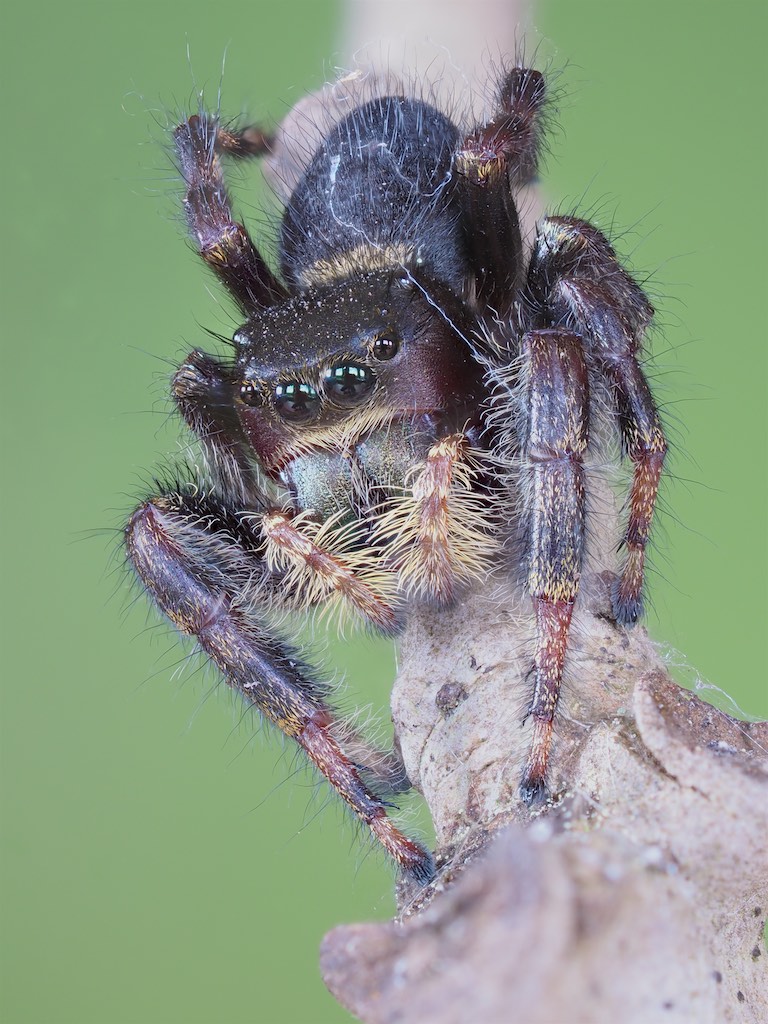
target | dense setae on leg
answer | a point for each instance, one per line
(491, 161)
(557, 404)
(322, 572)
(512, 138)
(205, 574)
(223, 243)
(575, 279)
(437, 531)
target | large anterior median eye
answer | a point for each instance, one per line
(296, 401)
(347, 383)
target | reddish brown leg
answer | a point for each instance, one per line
(558, 403)
(575, 278)
(223, 243)
(644, 442)
(185, 557)
(553, 620)
(512, 139)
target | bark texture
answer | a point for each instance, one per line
(639, 895)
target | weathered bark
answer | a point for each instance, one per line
(640, 896)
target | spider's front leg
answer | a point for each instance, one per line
(222, 242)
(493, 160)
(204, 567)
(575, 278)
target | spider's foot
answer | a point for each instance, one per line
(420, 866)
(534, 791)
(423, 871)
(413, 859)
(626, 603)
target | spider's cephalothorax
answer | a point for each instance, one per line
(360, 445)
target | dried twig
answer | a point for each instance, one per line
(640, 896)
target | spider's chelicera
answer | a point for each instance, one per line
(407, 395)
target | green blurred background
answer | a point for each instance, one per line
(156, 866)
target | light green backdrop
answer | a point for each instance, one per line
(156, 867)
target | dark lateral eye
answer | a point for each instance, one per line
(249, 393)
(296, 401)
(348, 382)
(385, 347)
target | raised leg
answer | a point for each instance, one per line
(557, 400)
(204, 573)
(512, 139)
(223, 243)
(575, 279)
(493, 160)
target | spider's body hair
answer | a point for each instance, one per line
(360, 260)
(408, 399)
(441, 530)
(373, 420)
(381, 181)
(326, 565)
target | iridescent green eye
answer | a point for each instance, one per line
(296, 401)
(348, 383)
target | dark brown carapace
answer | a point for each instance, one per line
(408, 394)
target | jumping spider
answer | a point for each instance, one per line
(401, 400)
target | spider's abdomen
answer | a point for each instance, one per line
(378, 192)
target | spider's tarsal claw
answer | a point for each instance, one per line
(534, 792)
(421, 869)
(626, 608)
(390, 806)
